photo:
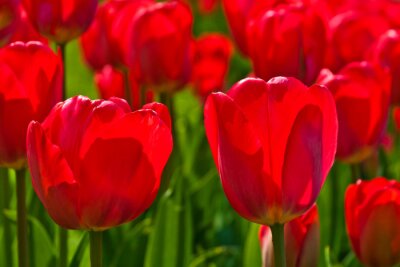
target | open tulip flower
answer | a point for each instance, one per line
(362, 94)
(96, 164)
(61, 21)
(372, 219)
(301, 241)
(258, 131)
(25, 94)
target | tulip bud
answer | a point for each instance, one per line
(257, 133)
(287, 41)
(96, 164)
(372, 219)
(160, 45)
(25, 94)
(61, 21)
(110, 83)
(212, 54)
(301, 241)
(387, 54)
(362, 94)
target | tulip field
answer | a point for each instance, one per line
(200, 133)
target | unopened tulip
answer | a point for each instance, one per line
(96, 164)
(362, 94)
(387, 54)
(372, 219)
(26, 93)
(110, 82)
(301, 241)
(160, 45)
(257, 133)
(106, 42)
(61, 21)
(352, 35)
(24, 31)
(212, 54)
(239, 12)
(287, 41)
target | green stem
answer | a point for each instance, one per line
(64, 65)
(5, 191)
(355, 172)
(63, 245)
(22, 233)
(334, 204)
(96, 240)
(278, 240)
(127, 88)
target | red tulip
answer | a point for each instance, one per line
(110, 83)
(8, 19)
(61, 21)
(25, 94)
(387, 54)
(24, 31)
(106, 42)
(160, 45)
(96, 164)
(352, 37)
(212, 54)
(258, 131)
(288, 41)
(207, 6)
(362, 93)
(239, 12)
(301, 241)
(372, 219)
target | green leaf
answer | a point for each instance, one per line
(252, 250)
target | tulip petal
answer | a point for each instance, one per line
(241, 159)
(55, 185)
(142, 156)
(302, 175)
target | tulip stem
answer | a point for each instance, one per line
(5, 191)
(334, 205)
(278, 240)
(22, 233)
(96, 239)
(64, 66)
(127, 88)
(63, 245)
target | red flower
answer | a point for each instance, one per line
(301, 241)
(8, 19)
(95, 164)
(396, 118)
(110, 83)
(258, 132)
(26, 93)
(352, 36)
(212, 54)
(160, 45)
(107, 40)
(288, 41)
(25, 31)
(61, 21)
(387, 54)
(372, 219)
(361, 93)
